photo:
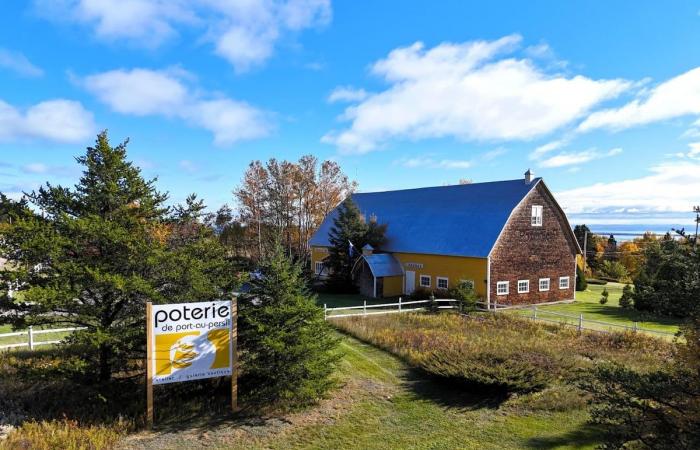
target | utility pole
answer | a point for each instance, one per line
(585, 252)
(696, 210)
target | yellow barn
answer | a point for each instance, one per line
(509, 239)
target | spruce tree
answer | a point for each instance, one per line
(348, 227)
(289, 350)
(93, 256)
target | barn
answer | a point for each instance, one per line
(509, 239)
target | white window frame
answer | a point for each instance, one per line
(447, 283)
(499, 284)
(548, 284)
(468, 281)
(527, 286)
(567, 280)
(536, 215)
(318, 267)
(420, 281)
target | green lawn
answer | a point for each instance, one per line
(587, 303)
(383, 404)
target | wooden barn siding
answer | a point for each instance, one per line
(527, 252)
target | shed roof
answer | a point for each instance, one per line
(383, 265)
(459, 220)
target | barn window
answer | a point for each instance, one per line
(563, 282)
(442, 282)
(544, 284)
(536, 218)
(502, 288)
(319, 267)
(425, 281)
(523, 286)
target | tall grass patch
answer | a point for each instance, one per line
(501, 352)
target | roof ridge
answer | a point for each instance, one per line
(460, 186)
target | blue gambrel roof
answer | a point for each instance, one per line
(460, 220)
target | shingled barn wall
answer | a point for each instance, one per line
(526, 252)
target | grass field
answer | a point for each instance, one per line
(384, 404)
(587, 303)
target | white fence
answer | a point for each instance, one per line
(580, 322)
(31, 342)
(537, 314)
(400, 306)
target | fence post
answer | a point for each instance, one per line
(325, 311)
(31, 337)
(580, 323)
(534, 312)
(399, 304)
(634, 327)
(364, 308)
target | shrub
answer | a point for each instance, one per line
(657, 408)
(596, 281)
(512, 372)
(500, 351)
(626, 298)
(604, 296)
(464, 293)
(614, 270)
(581, 283)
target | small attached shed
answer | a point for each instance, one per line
(378, 275)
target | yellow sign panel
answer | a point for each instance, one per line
(191, 341)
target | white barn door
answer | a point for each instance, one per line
(410, 282)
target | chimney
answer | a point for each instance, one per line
(367, 250)
(529, 175)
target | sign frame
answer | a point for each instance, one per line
(233, 342)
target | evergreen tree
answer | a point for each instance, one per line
(626, 298)
(289, 350)
(581, 283)
(604, 296)
(348, 229)
(93, 256)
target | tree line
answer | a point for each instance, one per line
(94, 254)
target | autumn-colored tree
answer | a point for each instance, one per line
(286, 202)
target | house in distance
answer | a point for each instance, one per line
(510, 239)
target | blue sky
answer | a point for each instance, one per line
(602, 99)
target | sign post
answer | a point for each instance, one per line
(190, 341)
(234, 356)
(149, 366)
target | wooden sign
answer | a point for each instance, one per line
(190, 341)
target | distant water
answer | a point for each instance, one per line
(630, 231)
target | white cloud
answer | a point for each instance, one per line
(140, 92)
(571, 158)
(470, 92)
(347, 94)
(547, 148)
(144, 92)
(676, 97)
(430, 163)
(244, 32)
(56, 120)
(18, 63)
(669, 188)
(693, 152)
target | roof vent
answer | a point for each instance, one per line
(529, 175)
(367, 250)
